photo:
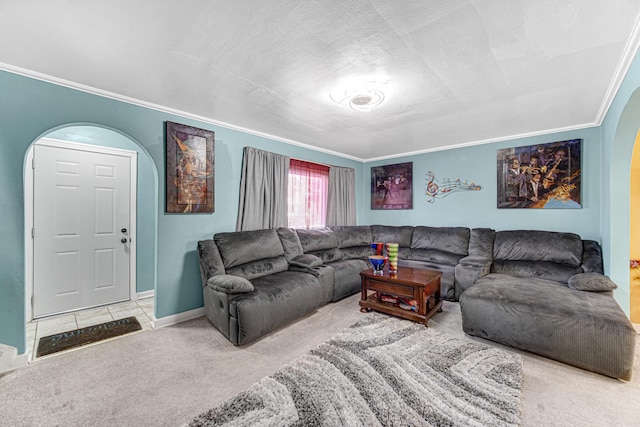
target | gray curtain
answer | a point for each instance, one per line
(263, 190)
(341, 200)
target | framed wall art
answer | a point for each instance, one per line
(392, 186)
(189, 169)
(540, 176)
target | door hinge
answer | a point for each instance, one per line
(33, 163)
(33, 232)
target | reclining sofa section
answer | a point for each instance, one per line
(258, 281)
(544, 292)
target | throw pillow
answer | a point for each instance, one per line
(591, 282)
(230, 284)
(306, 261)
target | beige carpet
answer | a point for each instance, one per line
(170, 375)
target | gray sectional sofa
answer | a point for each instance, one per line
(525, 289)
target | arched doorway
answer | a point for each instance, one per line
(634, 234)
(145, 201)
(618, 196)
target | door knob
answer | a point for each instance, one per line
(123, 240)
(124, 230)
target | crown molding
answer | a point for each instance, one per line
(137, 102)
(627, 58)
(488, 141)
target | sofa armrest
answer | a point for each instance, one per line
(592, 257)
(230, 284)
(468, 272)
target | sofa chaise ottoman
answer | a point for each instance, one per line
(545, 292)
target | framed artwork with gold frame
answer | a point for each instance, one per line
(541, 176)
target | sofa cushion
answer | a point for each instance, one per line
(544, 270)
(317, 239)
(347, 277)
(392, 234)
(584, 329)
(354, 241)
(306, 260)
(230, 284)
(241, 247)
(591, 282)
(356, 252)
(328, 255)
(290, 242)
(259, 268)
(434, 256)
(535, 245)
(454, 240)
(481, 242)
(348, 236)
(278, 299)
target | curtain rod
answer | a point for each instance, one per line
(317, 163)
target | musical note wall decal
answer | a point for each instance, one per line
(438, 189)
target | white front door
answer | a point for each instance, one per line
(81, 229)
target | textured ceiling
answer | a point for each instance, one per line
(454, 72)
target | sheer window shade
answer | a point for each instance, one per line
(307, 194)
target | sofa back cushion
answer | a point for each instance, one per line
(535, 245)
(392, 234)
(545, 254)
(251, 254)
(290, 243)
(260, 267)
(442, 245)
(448, 239)
(542, 269)
(353, 241)
(320, 242)
(317, 239)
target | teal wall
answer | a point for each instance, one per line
(619, 130)
(477, 164)
(30, 109)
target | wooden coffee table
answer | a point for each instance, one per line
(410, 283)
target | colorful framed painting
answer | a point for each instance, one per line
(542, 176)
(392, 186)
(189, 169)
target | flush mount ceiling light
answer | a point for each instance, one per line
(360, 97)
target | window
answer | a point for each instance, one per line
(307, 194)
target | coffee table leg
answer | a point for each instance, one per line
(363, 296)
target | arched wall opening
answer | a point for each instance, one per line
(620, 201)
(146, 200)
(634, 234)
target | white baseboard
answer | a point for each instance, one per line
(145, 294)
(178, 318)
(10, 359)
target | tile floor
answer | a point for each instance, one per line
(142, 309)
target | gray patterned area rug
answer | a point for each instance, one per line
(384, 371)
